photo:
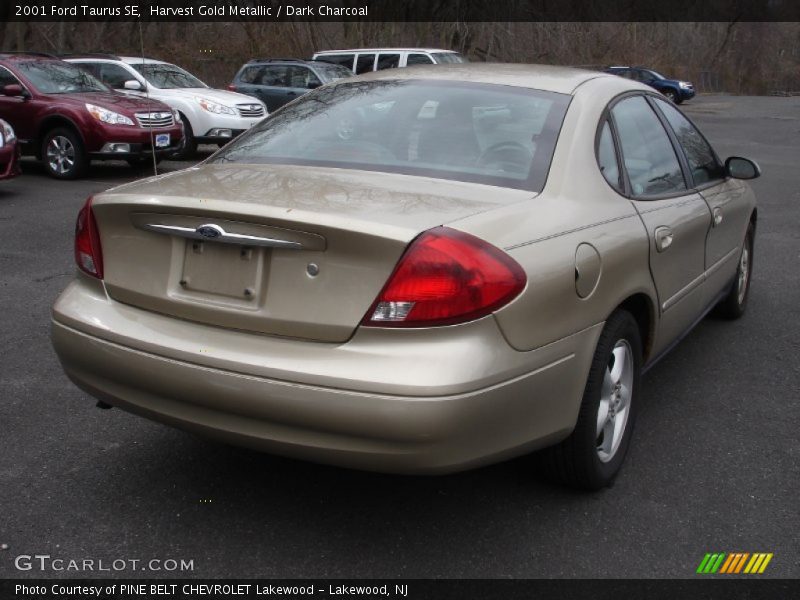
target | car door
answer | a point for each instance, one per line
(19, 111)
(677, 218)
(247, 82)
(301, 80)
(726, 198)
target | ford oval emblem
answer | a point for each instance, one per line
(209, 231)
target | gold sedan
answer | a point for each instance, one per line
(416, 270)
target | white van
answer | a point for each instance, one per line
(364, 60)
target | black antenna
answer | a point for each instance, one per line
(149, 106)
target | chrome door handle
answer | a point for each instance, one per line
(663, 237)
(717, 216)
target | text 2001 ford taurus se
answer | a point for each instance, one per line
(417, 270)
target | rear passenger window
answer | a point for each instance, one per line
(365, 63)
(647, 152)
(607, 158)
(388, 61)
(701, 158)
(418, 59)
(274, 77)
(251, 74)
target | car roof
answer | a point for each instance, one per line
(386, 50)
(20, 56)
(562, 80)
(141, 59)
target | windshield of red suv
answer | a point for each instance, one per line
(57, 77)
(167, 77)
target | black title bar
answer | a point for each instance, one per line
(400, 10)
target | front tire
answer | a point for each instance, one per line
(672, 96)
(735, 303)
(63, 154)
(188, 147)
(591, 457)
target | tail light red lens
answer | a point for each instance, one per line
(446, 277)
(88, 253)
(231, 87)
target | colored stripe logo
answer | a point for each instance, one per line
(734, 563)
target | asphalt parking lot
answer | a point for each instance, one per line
(714, 465)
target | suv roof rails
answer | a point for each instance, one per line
(276, 60)
(89, 55)
(22, 53)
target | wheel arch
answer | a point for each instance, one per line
(643, 310)
(52, 122)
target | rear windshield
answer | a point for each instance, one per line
(498, 135)
(57, 77)
(167, 77)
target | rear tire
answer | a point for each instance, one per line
(63, 154)
(591, 457)
(735, 303)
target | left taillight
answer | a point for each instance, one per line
(88, 253)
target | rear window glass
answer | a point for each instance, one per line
(469, 132)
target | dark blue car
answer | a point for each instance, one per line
(675, 90)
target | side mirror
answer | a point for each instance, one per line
(15, 89)
(742, 168)
(132, 84)
(312, 85)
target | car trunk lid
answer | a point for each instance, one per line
(282, 250)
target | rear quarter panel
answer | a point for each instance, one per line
(577, 207)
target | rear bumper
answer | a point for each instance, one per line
(408, 406)
(9, 161)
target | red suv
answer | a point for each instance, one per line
(66, 117)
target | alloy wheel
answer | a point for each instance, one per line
(60, 155)
(615, 400)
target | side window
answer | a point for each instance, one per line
(7, 78)
(274, 76)
(346, 60)
(607, 158)
(251, 74)
(418, 59)
(647, 152)
(91, 68)
(701, 158)
(388, 61)
(303, 77)
(365, 63)
(114, 76)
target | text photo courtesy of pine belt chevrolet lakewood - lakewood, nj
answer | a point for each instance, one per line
(465, 303)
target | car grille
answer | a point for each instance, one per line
(155, 119)
(250, 110)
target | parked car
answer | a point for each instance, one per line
(675, 90)
(9, 152)
(276, 81)
(482, 268)
(209, 116)
(67, 118)
(364, 60)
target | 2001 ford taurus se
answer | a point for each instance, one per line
(417, 270)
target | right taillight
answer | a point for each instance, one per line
(446, 277)
(88, 253)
